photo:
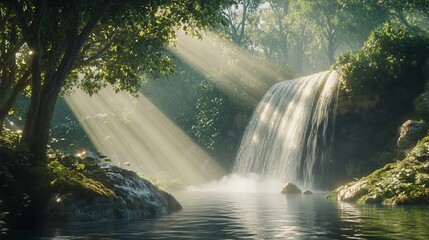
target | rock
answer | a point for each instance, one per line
(421, 105)
(291, 188)
(374, 199)
(352, 191)
(410, 133)
(421, 151)
(134, 198)
(308, 192)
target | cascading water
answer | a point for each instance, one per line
(287, 137)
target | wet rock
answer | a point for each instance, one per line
(421, 151)
(134, 198)
(421, 105)
(374, 199)
(291, 188)
(410, 133)
(308, 192)
(352, 191)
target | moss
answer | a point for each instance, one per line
(403, 182)
(70, 174)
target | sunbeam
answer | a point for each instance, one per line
(232, 69)
(135, 134)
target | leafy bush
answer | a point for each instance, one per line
(10, 138)
(388, 69)
(76, 174)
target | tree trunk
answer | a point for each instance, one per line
(331, 53)
(38, 123)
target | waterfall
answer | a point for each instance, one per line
(287, 137)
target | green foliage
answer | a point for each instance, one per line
(19, 180)
(89, 45)
(206, 112)
(10, 138)
(209, 107)
(403, 182)
(388, 68)
(75, 174)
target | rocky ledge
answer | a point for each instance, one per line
(110, 193)
(403, 182)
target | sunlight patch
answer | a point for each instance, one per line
(138, 136)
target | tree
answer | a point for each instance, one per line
(90, 44)
(237, 17)
(280, 10)
(361, 19)
(14, 68)
(326, 16)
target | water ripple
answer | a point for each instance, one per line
(256, 216)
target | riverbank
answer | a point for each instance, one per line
(402, 182)
(68, 188)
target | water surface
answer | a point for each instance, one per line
(215, 215)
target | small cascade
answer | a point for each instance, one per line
(288, 137)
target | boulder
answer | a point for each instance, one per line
(134, 198)
(352, 191)
(308, 192)
(421, 105)
(410, 133)
(291, 188)
(373, 199)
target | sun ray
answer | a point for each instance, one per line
(136, 135)
(231, 68)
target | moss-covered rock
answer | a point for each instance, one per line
(87, 189)
(71, 188)
(403, 182)
(410, 133)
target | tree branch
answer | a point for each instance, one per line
(96, 55)
(73, 49)
(19, 87)
(93, 57)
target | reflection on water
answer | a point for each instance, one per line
(214, 215)
(391, 222)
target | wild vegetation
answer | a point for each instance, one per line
(389, 64)
(49, 48)
(403, 182)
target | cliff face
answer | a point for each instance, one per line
(365, 141)
(366, 133)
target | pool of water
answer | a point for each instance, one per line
(215, 215)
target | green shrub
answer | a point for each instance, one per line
(388, 69)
